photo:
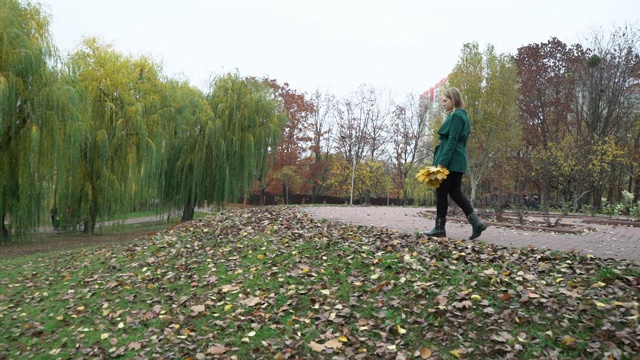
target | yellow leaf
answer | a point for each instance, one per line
(251, 334)
(455, 353)
(568, 340)
(600, 305)
(104, 336)
(260, 257)
(226, 308)
(559, 280)
(61, 317)
(325, 291)
(400, 330)
(343, 338)
(476, 297)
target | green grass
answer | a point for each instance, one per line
(268, 283)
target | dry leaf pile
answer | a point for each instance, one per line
(272, 283)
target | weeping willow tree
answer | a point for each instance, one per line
(116, 155)
(28, 129)
(489, 86)
(184, 120)
(216, 151)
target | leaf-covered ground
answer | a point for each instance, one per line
(273, 283)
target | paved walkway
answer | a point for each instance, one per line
(616, 242)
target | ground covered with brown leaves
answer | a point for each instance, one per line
(273, 283)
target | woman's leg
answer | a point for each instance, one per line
(454, 180)
(442, 199)
(442, 204)
(456, 194)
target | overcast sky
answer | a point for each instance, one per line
(401, 46)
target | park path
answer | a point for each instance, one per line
(617, 242)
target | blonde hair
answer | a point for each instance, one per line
(455, 96)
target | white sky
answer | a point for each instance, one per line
(403, 46)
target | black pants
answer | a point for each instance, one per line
(451, 187)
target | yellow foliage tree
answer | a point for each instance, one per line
(575, 169)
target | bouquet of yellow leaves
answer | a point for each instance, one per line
(432, 175)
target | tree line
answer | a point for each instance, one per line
(100, 133)
(554, 120)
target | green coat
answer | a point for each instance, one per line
(453, 135)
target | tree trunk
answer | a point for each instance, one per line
(189, 210)
(262, 195)
(636, 190)
(474, 189)
(285, 195)
(187, 213)
(89, 224)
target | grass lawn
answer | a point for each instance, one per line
(272, 283)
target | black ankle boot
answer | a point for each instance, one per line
(438, 230)
(477, 225)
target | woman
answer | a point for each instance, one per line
(451, 154)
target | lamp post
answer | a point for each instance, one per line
(353, 175)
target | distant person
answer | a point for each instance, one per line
(534, 203)
(526, 202)
(451, 154)
(55, 222)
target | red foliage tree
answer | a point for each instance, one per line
(296, 138)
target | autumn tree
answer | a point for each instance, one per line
(409, 120)
(187, 142)
(296, 139)
(370, 179)
(34, 102)
(606, 97)
(319, 121)
(117, 147)
(546, 90)
(289, 177)
(220, 140)
(249, 119)
(573, 168)
(362, 126)
(606, 78)
(489, 85)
